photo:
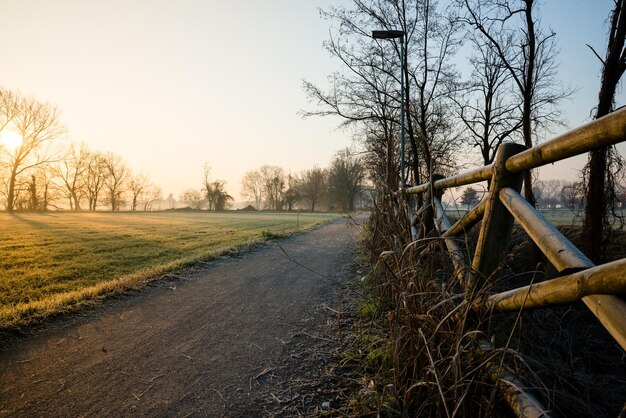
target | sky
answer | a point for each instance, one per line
(170, 85)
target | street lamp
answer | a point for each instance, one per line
(395, 34)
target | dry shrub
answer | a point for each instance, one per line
(436, 367)
(438, 364)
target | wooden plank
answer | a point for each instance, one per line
(472, 176)
(495, 230)
(611, 312)
(560, 251)
(416, 189)
(608, 130)
(468, 220)
(469, 177)
(513, 389)
(456, 254)
(608, 278)
(427, 225)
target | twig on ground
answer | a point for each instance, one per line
(142, 393)
(263, 373)
(218, 392)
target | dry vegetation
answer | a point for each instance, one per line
(420, 349)
(52, 262)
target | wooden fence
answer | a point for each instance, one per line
(598, 287)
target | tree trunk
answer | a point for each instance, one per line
(596, 201)
(11, 192)
(76, 201)
(595, 207)
(529, 87)
(45, 200)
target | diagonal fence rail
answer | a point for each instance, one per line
(599, 287)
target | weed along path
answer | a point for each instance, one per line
(240, 336)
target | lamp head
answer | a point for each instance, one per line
(387, 34)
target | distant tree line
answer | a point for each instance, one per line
(37, 174)
(336, 187)
(549, 194)
(270, 187)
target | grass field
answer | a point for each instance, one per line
(56, 261)
(555, 216)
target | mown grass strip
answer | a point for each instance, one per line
(54, 262)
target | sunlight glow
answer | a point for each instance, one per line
(11, 139)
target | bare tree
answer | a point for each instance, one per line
(273, 181)
(214, 191)
(49, 190)
(293, 193)
(94, 177)
(345, 176)
(194, 198)
(9, 106)
(137, 187)
(600, 180)
(71, 173)
(115, 180)
(206, 181)
(549, 192)
(572, 196)
(366, 97)
(40, 190)
(171, 202)
(252, 187)
(22, 194)
(529, 55)
(37, 124)
(490, 112)
(369, 93)
(223, 200)
(313, 185)
(435, 82)
(152, 194)
(469, 197)
(216, 196)
(8, 110)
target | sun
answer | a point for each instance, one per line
(11, 139)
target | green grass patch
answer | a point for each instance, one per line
(56, 261)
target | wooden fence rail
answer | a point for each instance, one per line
(599, 287)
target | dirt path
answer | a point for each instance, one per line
(225, 340)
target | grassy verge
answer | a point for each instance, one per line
(53, 262)
(369, 353)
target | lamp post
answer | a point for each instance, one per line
(395, 34)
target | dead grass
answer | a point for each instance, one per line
(52, 262)
(419, 321)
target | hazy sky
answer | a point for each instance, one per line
(171, 84)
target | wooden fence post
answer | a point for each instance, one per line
(436, 194)
(495, 230)
(427, 221)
